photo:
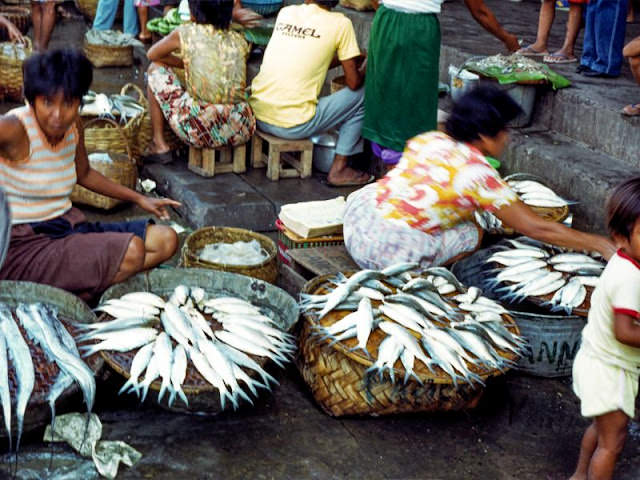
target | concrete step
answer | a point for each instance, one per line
(571, 169)
(588, 112)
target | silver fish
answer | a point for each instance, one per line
(573, 258)
(150, 375)
(581, 268)
(21, 358)
(138, 365)
(173, 332)
(122, 341)
(222, 366)
(403, 315)
(163, 352)
(407, 358)
(178, 374)
(211, 376)
(248, 381)
(364, 324)
(389, 351)
(5, 394)
(243, 360)
(144, 298)
(179, 323)
(588, 281)
(256, 324)
(407, 340)
(242, 344)
(180, 295)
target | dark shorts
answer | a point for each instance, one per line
(70, 253)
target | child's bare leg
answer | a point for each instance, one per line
(587, 447)
(632, 52)
(612, 432)
(574, 22)
(547, 14)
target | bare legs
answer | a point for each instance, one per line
(601, 444)
(44, 17)
(632, 53)
(341, 174)
(160, 244)
(574, 23)
(143, 16)
(158, 143)
(545, 21)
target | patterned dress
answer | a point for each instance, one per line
(422, 209)
(211, 109)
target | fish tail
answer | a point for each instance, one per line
(172, 397)
(267, 377)
(244, 395)
(183, 397)
(127, 385)
(145, 390)
(278, 361)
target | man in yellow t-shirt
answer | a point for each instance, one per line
(307, 40)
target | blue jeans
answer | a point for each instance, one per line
(606, 21)
(343, 109)
(106, 14)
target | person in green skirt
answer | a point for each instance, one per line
(401, 86)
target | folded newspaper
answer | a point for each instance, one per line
(314, 219)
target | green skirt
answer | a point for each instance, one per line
(401, 85)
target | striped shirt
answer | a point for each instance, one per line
(39, 187)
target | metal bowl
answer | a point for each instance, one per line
(324, 149)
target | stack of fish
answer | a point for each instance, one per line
(533, 269)
(452, 333)
(110, 106)
(531, 192)
(169, 333)
(44, 330)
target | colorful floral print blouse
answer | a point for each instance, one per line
(439, 183)
(215, 63)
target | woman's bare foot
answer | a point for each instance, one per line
(348, 177)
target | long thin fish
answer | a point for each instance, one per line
(5, 394)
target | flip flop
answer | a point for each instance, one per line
(161, 158)
(528, 51)
(352, 184)
(559, 58)
(631, 110)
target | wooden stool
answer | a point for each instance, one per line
(203, 160)
(275, 160)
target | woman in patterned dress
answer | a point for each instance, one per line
(422, 210)
(210, 110)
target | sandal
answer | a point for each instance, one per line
(631, 110)
(559, 58)
(352, 184)
(528, 51)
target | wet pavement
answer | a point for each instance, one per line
(524, 427)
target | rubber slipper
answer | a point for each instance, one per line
(632, 110)
(559, 58)
(352, 184)
(161, 158)
(528, 51)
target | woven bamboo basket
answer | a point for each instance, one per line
(122, 170)
(88, 8)
(11, 81)
(25, 3)
(203, 397)
(145, 132)
(267, 270)
(20, 16)
(70, 309)
(341, 386)
(109, 55)
(107, 138)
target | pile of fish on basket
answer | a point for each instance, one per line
(450, 332)
(561, 280)
(532, 193)
(169, 333)
(110, 106)
(46, 332)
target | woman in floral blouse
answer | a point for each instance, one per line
(422, 210)
(210, 110)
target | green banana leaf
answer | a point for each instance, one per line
(258, 35)
(504, 77)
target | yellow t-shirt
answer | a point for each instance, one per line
(305, 39)
(618, 291)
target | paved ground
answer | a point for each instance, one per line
(524, 428)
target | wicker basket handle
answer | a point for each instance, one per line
(142, 98)
(114, 125)
(28, 46)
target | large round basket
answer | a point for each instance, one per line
(267, 270)
(145, 133)
(274, 302)
(88, 8)
(11, 70)
(122, 169)
(109, 55)
(109, 136)
(70, 309)
(341, 385)
(19, 16)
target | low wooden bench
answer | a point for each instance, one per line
(207, 162)
(275, 160)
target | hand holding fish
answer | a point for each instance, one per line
(157, 206)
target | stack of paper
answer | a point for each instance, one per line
(314, 219)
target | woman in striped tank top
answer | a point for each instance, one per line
(42, 157)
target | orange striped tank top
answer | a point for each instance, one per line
(38, 188)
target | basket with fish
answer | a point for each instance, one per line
(118, 135)
(199, 340)
(40, 367)
(533, 193)
(553, 338)
(553, 278)
(12, 56)
(120, 168)
(109, 48)
(383, 342)
(145, 133)
(263, 266)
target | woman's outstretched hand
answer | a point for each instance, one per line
(157, 206)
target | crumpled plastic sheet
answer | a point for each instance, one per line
(85, 439)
